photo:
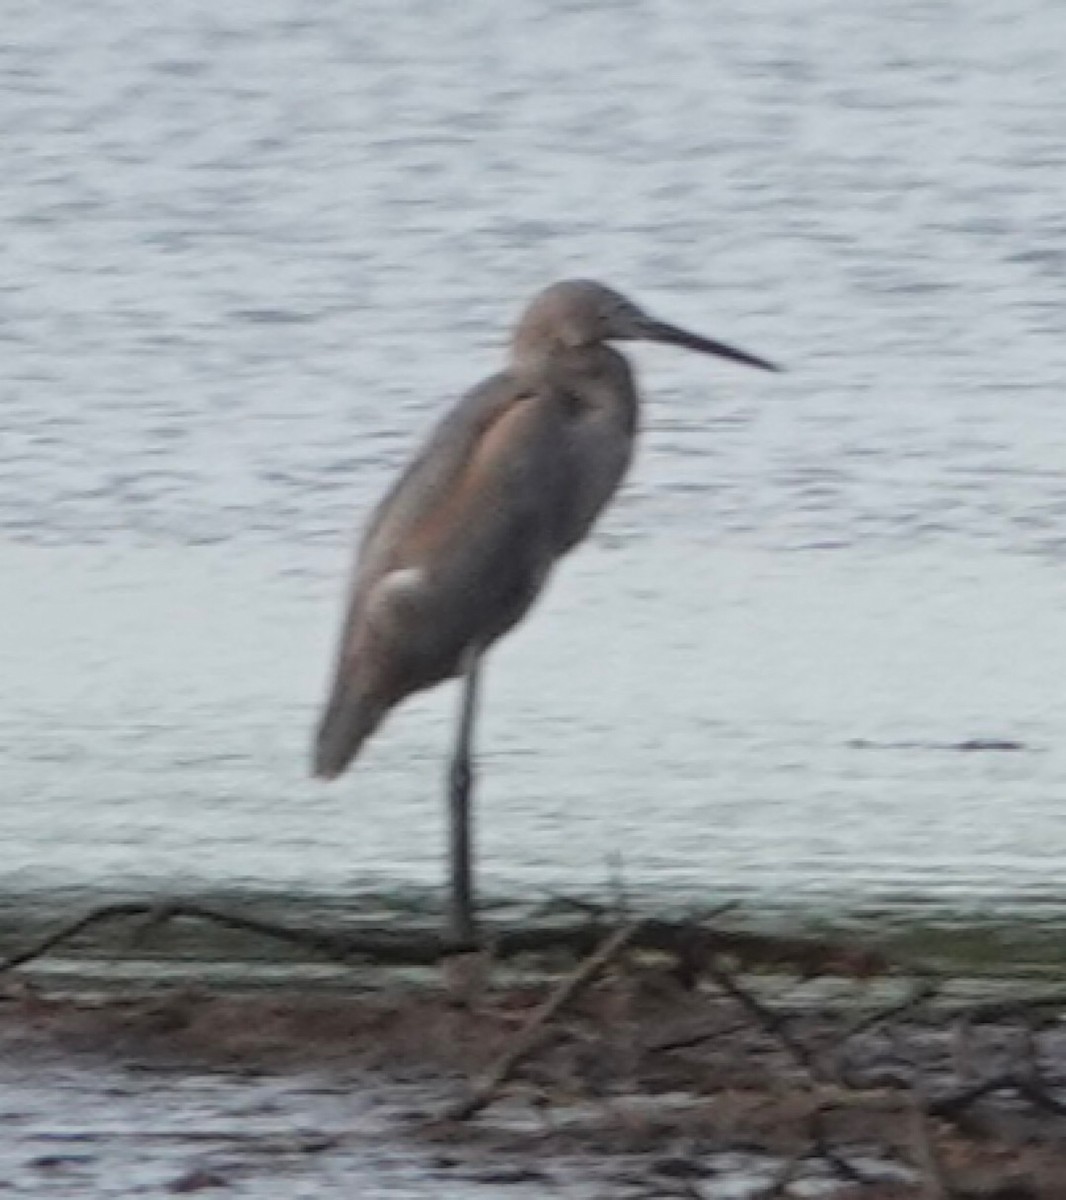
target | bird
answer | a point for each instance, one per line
(510, 480)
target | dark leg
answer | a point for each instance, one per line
(461, 926)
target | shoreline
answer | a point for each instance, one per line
(641, 1085)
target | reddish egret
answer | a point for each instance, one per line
(511, 479)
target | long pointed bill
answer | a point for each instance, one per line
(670, 335)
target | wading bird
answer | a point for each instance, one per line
(452, 558)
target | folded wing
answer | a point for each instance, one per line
(452, 557)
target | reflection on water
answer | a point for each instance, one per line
(250, 250)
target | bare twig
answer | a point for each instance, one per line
(773, 1023)
(991, 1011)
(328, 945)
(696, 943)
(934, 1177)
(531, 1034)
(1038, 1095)
(925, 990)
(685, 1041)
(953, 1106)
(821, 1147)
(818, 1146)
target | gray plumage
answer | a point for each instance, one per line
(512, 478)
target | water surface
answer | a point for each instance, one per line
(252, 251)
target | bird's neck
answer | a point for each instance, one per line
(532, 352)
(597, 376)
(544, 357)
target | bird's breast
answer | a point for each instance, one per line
(599, 449)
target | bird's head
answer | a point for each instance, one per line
(579, 312)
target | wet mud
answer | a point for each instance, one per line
(639, 1088)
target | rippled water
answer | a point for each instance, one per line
(250, 252)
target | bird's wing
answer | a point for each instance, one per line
(451, 558)
(461, 544)
(454, 555)
(430, 474)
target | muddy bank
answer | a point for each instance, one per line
(644, 1084)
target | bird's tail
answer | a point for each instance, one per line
(351, 716)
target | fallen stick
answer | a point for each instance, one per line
(821, 1147)
(690, 942)
(925, 990)
(773, 1023)
(328, 945)
(1032, 1090)
(934, 1178)
(530, 1035)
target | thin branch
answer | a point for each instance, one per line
(821, 1148)
(934, 1176)
(531, 1034)
(953, 1106)
(329, 945)
(773, 1023)
(925, 990)
(990, 1011)
(1039, 1097)
(694, 943)
(685, 1041)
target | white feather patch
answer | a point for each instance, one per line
(392, 593)
(404, 580)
